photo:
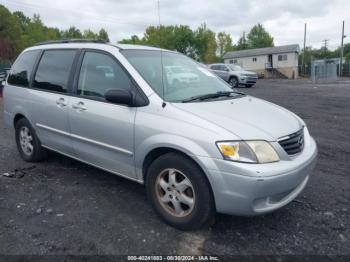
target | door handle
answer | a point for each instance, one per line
(80, 106)
(61, 102)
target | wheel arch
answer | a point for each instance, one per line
(17, 117)
(232, 76)
(159, 151)
(152, 148)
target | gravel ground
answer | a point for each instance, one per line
(62, 206)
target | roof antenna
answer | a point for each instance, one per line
(161, 54)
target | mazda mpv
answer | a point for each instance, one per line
(198, 146)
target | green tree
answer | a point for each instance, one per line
(103, 35)
(183, 40)
(24, 20)
(224, 43)
(35, 32)
(199, 44)
(205, 44)
(18, 31)
(160, 36)
(88, 34)
(179, 38)
(73, 33)
(242, 43)
(346, 52)
(134, 40)
(258, 37)
(10, 35)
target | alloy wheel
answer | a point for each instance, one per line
(233, 82)
(175, 192)
(26, 140)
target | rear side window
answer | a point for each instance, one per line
(223, 68)
(23, 68)
(53, 70)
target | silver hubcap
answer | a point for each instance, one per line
(26, 140)
(233, 82)
(175, 192)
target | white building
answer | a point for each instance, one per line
(278, 61)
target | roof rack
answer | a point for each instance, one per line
(66, 41)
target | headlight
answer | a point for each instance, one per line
(248, 151)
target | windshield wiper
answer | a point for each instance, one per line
(210, 96)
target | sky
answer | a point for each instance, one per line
(283, 19)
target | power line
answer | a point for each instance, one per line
(73, 11)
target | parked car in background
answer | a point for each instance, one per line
(199, 148)
(3, 73)
(179, 76)
(234, 74)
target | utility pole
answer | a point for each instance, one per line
(303, 58)
(341, 50)
(325, 44)
(244, 43)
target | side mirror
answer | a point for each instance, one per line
(119, 96)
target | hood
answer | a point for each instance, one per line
(247, 72)
(246, 117)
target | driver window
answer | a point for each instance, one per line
(98, 73)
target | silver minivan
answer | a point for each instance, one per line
(198, 146)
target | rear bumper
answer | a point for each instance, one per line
(250, 190)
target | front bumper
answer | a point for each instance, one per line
(252, 189)
(248, 80)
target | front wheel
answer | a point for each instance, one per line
(179, 192)
(233, 82)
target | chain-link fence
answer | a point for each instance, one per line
(4, 64)
(324, 70)
(304, 70)
(346, 70)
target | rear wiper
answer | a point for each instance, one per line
(209, 96)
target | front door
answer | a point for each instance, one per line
(102, 132)
(270, 60)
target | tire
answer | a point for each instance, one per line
(233, 81)
(248, 85)
(159, 186)
(25, 136)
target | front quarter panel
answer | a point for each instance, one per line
(157, 127)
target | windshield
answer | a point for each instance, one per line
(235, 67)
(183, 78)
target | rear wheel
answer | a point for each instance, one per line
(28, 143)
(233, 81)
(180, 192)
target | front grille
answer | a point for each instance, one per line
(250, 79)
(293, 143)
